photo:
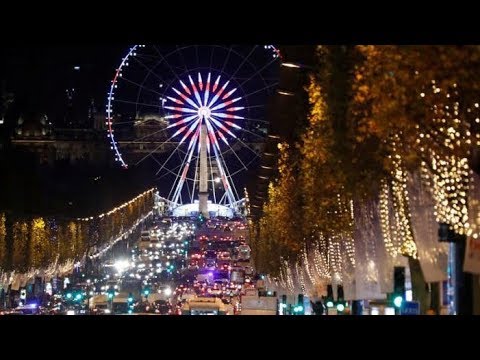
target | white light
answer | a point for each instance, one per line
(398, 301)
(374, 311)
(121, 265)
(408, 295)
(70, 312)
(217, 180)
(287, 93)
(389, 311)
(76, 68)
(291, 65)
(168, 292)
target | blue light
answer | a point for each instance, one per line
(398, 301)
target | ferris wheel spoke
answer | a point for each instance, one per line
(173, 152)
(150, 71)
(182, 57)
(167, 170)
(211, 57)
(166, 62)
(151, 134)
(141, 86)
(249, 132)
(246, 146)
(260, 70)
(240, 160)
(196, 55)
(223, 173)
(183, 168)
(247, 119)
(227, 174)
(244, 60)
(264, 88)
(136, 103)
(156, 149)
(226, 59)
(123, 122)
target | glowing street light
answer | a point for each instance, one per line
(291, 65)
(287, 93)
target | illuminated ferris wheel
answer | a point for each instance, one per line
(194, 116)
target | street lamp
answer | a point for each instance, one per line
(291, 65)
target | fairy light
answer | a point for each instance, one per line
(320, 262)
(281, 280)
(3, 233)
(120, 207)
(300, 277)
(446, 168)
(120, 237)
(401, 229)
(289, 276)
(348, 239)
(391, 249)
(306, 265)
(334, 255)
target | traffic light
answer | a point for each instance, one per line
(340, 295)
(299, 308)
(329, 299)
(110, 294)
(398, 295)
(130, 303)
(341, 304)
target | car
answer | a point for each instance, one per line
(193, 265)
(210, 254)
(210, 264)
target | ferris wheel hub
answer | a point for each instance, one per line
(204, 112)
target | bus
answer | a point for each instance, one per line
(204, 306)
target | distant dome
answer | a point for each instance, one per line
(33, 125)
(150, 119)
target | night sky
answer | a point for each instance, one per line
(38, 75)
